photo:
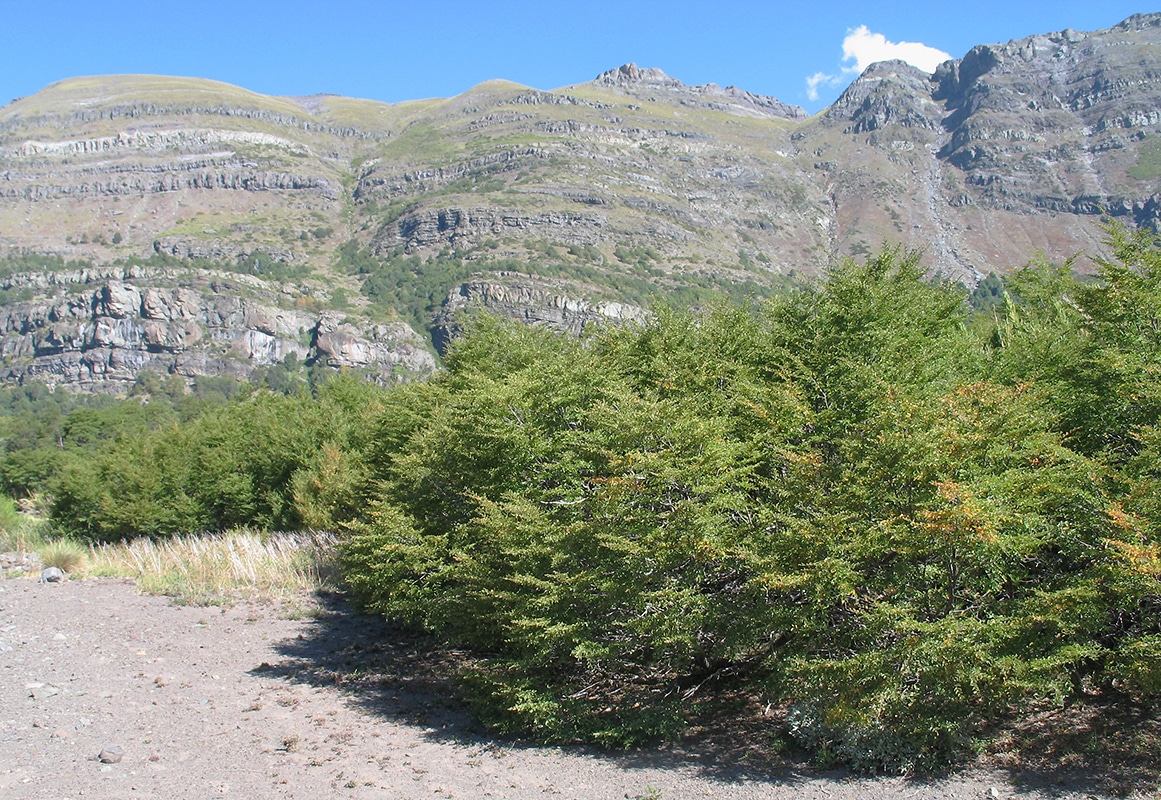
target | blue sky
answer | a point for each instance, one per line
(394, 51)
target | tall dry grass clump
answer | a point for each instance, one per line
(212, 569)
(65, 554)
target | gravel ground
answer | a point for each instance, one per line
(309, 701)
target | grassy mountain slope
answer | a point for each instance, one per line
(617, 189)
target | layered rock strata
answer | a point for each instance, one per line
(98, 330)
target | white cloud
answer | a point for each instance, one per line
(820, 79)
(865, 48)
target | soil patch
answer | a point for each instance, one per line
(313, 700)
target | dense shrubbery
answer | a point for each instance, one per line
(843, 499)
(853, 501)
(271, 461)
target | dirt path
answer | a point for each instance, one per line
(245, 702)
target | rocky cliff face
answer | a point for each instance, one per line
(887, 94)
(96, 330)
(628, 186)
(549, 304)
(1012, 149)
(455, 227)
(1054, 122)
(108, 167)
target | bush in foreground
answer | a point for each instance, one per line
(855, 502)
(844, 501)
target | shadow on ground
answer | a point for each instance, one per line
(404, 676)
(1112, 747)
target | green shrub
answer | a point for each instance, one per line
(11, 520)
(234, 465)
(840, 499)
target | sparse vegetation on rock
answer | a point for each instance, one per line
(627, 187)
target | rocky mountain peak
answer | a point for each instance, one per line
(1139, 22)
(633, 80)
(953, 77)
(629, 75)
(1049, 58)
(888, 92)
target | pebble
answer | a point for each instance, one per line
(111, 755)
(41, 691)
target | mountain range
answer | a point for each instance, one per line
(195, 228)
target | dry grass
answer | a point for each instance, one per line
(212, 570)
(64, 554)
(23, 539)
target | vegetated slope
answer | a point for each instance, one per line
(536, 203)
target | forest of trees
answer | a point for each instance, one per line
(897, 518)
